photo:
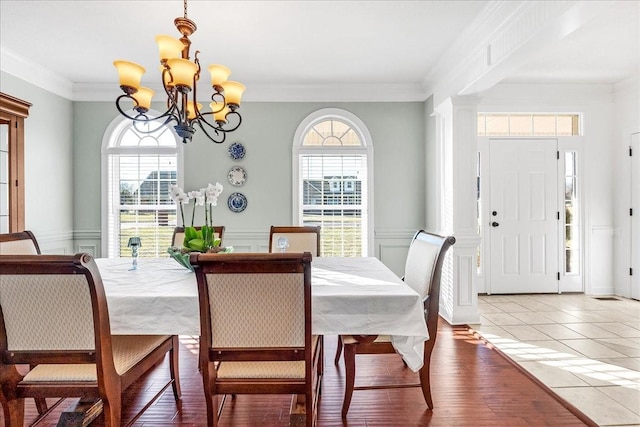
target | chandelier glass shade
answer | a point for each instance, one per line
(180, 76)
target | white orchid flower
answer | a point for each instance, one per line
(213, 191)
(175, 192)
(183, 198)
(196, 196)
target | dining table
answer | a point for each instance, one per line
(350, 296)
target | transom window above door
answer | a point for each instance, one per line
(528, 124)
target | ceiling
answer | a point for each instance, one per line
(300, 43)
(604, 50)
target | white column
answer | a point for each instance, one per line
(456, 136)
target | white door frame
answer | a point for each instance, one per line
(634, 219)
(568, 283)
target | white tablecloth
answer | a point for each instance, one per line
(350, 296)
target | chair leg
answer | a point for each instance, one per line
(112, 409)
(309, 409)
(41, 402)
(41, 405)
(213, 411)
(338, 351)
(174, 367)
(425, 381)
(13, 412)
(350, 374)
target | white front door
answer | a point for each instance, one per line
(635, 218)
(523, 216)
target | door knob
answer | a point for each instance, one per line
(494, 224)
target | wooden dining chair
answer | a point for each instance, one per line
(255, 323)
(54, 317)
(178, 235)
(20, 243)
(423, 269)
(299, 238)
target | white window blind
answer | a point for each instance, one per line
(334, 197)
(140, 169)
(333, 187)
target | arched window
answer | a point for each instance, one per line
(137, 169)
(332, 174)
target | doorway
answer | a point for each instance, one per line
(523, 216)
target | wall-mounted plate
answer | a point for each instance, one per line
(237, 176)
(237, 202)
(236, 151)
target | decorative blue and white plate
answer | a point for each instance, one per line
(236, 151)
(237, 202)
(237, 176)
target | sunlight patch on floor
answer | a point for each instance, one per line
(613, 374)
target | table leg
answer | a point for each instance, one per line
(298, 413)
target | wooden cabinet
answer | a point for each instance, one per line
(13, 112)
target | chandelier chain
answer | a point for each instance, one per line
(185, 9)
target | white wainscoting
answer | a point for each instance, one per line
(600, 264)
(391, 244)
(55, 243)
(88, 241)
(247, 240)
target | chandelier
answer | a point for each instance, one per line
(179, 80)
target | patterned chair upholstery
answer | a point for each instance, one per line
(423, 269)
(255, 323)
(178, 235)
(54, 317)
(301, 239)
(20, 243)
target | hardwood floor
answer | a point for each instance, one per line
(472, 385)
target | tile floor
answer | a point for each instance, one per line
(587, 350)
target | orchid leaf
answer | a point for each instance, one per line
(190, 233)
(196, 245)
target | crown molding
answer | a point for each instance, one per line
(39, 76)
(34, 73)
(337, 92)
(282, 93)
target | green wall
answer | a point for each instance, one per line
(267, 131)
(48, 164)
(63, 152)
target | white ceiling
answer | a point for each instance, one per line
(300, 43)
(604, 50)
